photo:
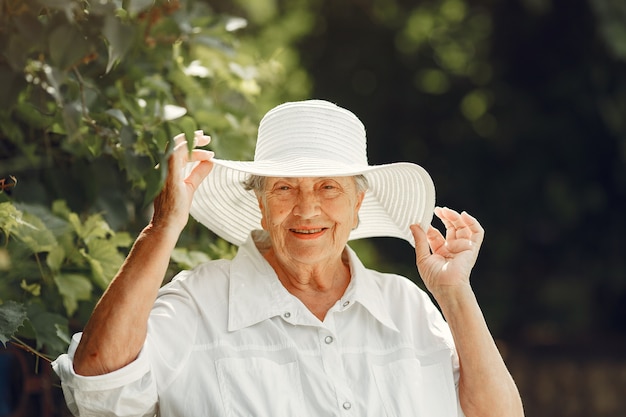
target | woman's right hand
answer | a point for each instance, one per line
(172, 205)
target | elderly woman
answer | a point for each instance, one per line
(294, 324)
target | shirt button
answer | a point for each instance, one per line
(347, 405)
(328, 340)
(346, 303)
(287, 315)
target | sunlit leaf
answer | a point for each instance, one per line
(12, 316)
(55, 258)
(73, 288)
(95, 227)
(10, 217)
(5, 260)
(196, 69)
(60, 208)
(235, 23)
(104, 259)
(34, 233)
(187, 259)
(118, 115)
(34, 289)
(121, 240)
(172, 112)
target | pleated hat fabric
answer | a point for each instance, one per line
(314, 138)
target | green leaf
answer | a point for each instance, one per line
(66, 6)
(119, 37)
(34, 289)
(138, 6)
(95, 227)
(50, 329)
(104, 259)
(73, 288)
(55, 258)
(34, 233)
(60, 208)
(67, 46)
(188, 259)
(10, 217)
(121, 240)
(188, 126)
(13, 83)
(12, 317)
(154, 182)
(56, 225)
(118, 115)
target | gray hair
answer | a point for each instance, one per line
(256, 183)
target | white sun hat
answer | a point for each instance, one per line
(314, 138)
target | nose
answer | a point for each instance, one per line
(307, 205)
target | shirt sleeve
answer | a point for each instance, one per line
(129, 391)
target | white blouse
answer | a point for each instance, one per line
(227, 339)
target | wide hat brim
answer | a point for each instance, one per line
(399, 194)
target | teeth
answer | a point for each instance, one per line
(307, 231)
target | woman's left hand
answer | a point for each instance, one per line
(446, 263)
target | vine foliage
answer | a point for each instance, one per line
(91, 94)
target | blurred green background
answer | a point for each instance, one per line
(517, 108)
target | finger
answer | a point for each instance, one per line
(178, 139)
(200, 139)
(422, 248)
(199, 173)
(436, 241)
(466, 226)
(472, 223)
(459, 225)
(444, 214)
(181, 150)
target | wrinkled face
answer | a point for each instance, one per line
(309, 219)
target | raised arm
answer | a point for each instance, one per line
(117, 328)
(486, 387)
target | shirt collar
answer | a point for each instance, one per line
(364, 289)
(256, 294)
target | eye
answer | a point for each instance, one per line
(330, 189)
(282, 187)
(329, 185)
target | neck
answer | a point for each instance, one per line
(317, 286)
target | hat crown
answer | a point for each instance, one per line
(311, 129)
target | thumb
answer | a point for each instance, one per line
(422, 248)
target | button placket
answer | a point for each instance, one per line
(334, 368)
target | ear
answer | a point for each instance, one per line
(259, 198)
(357, 207)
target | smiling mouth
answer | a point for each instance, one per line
(307, 231)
